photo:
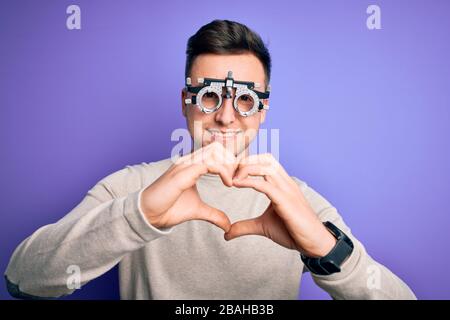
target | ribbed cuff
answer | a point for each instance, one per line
(134, 215)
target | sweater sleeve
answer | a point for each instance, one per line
(91, 239)
(361, 277)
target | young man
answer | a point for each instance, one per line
(168, 223)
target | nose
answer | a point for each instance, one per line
(225, 115)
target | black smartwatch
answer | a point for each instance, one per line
(332, 262)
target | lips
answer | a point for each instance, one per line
(223, 135)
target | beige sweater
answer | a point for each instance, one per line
(188, 261)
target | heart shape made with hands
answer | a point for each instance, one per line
(288, 220)
(276, 183)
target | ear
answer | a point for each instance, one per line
(263, 112)
(183, 104)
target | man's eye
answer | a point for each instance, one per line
(210, 95)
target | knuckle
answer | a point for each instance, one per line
(269, 157)
(216, 146)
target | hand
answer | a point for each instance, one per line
(289, 220)
(173, 198)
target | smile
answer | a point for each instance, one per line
(229, 134)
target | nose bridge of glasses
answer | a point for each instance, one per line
(227, 100)
(245, 98)
(228, 93)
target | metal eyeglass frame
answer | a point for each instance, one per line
(209, 85)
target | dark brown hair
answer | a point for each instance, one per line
(226, 37)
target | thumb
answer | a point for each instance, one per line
(214, 216)
(252, 226)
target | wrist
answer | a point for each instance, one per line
(332, 261)
(151, 219)
(323, 246)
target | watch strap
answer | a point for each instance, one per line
(332, 262)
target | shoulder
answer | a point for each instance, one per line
(133, 177)
(324, 209)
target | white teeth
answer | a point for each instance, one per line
(228, 134)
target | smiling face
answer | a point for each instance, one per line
(225, 125)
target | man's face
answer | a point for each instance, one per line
(225, 125)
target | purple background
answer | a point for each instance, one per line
(363, 115)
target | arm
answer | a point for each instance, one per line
(94, 236)
(361, 277)
(294, 220)
(111, 222)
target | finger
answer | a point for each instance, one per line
(245, 227)
(224, 172)
(220, 161)
(214, 216)
(215, 158)
(266, 171)
(264, 158)
(223, 154)
(222, 157)
(274, 194)
(263, 161)
(187, 177)
(270, 159)
(215, 151)
(273, 171)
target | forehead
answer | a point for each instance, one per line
(245, 67)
